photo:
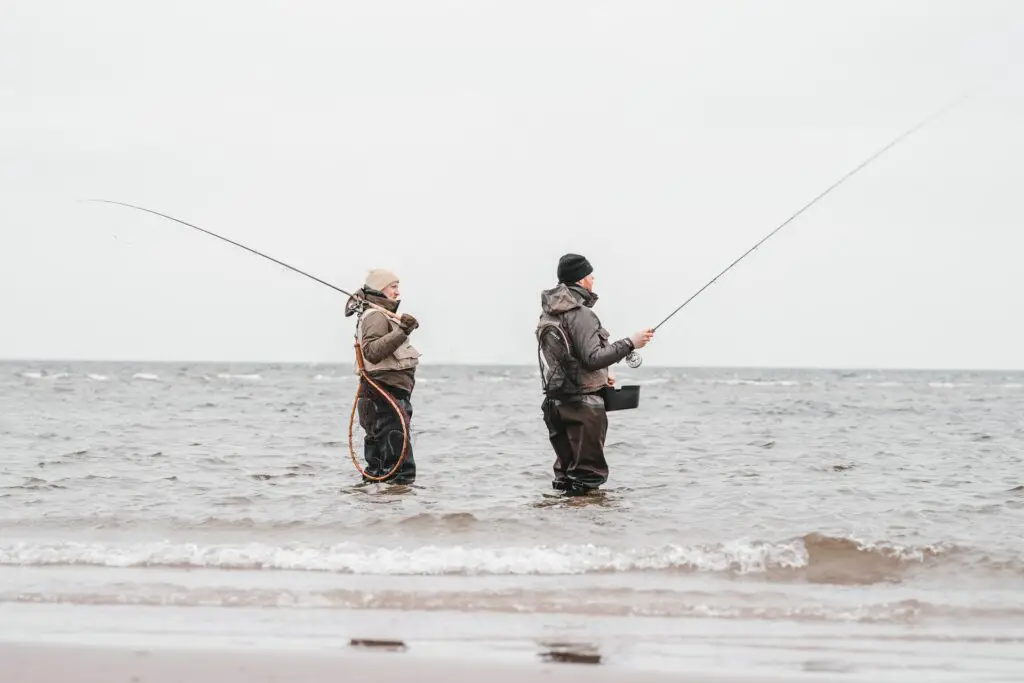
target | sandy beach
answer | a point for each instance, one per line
(45, 643)
(30, 663)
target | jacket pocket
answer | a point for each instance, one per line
(405, 351)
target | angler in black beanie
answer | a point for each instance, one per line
(573, 268)
(574, 354)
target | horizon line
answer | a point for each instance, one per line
(511, 365)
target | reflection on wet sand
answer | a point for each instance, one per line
(570, 653)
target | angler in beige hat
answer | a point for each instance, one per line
(390, 361)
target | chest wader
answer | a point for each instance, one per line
(385, 419)
(577, 423)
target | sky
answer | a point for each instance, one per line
(467, 145)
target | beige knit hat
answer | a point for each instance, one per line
(379, 278)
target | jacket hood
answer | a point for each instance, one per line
(564, 298)
(372, 296)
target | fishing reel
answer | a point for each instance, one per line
(634, 360)
(355, 306)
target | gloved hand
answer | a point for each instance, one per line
(408, 323)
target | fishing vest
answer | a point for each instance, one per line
(405, 357)
(559, 368)
(562, 375)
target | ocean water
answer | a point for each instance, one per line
(858, 522)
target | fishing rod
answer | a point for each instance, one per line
(363, 375)
(634, 360)
(270, 258)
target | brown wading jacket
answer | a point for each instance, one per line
(388, 357)
(570, 308)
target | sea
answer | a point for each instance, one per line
(860, 525)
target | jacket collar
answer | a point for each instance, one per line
(371, 296)
(588, 298)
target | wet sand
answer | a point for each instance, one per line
(76, 643)
(32, 663)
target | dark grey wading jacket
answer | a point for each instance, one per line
(574, 352)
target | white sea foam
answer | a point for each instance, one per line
(737, 557)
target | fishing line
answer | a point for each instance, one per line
(634, 360)
(249, 249)
(364, 377)
(359, 303)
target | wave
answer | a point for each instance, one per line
(606, 602)
(813, 558)
(439, 520)
(425, 521)
(35, 484)
(752, 382)
(44, 375)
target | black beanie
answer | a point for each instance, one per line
(573, 268)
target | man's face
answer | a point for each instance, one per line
(391, 291)
(587, 283)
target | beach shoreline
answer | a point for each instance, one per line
(78, 663)
(47, 643)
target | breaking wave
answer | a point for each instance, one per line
(33, 374)
(253, 377)
(812, 558)
(608, 602)
(752, 382)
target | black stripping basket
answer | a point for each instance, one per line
(625, 397)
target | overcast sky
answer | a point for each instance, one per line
(467, 145)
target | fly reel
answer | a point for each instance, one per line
(356, 305)
(634, 360)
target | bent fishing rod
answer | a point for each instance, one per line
(634, 360)
(363, 375)
(360, 302)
